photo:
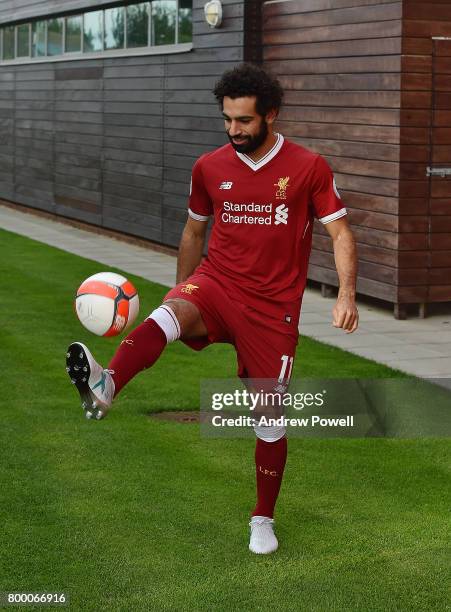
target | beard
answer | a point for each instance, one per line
(252, 143)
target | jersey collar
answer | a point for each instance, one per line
(256, 165)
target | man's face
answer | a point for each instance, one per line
(246, 129)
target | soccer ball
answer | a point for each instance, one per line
(106, 304)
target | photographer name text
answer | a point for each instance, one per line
(311, 421)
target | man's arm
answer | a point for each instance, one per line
(345, 313)
(191, 248)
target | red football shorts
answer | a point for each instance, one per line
(264, 345)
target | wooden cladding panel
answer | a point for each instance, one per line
(343, 133)
(354, 99)
(337, 48)
(358, 150)
(422, 54)
(379, 29)
(342, 81)
(340, 64)
(340, 16)
(295, 7)
(440, 188)
(426, 11)
(364, 116)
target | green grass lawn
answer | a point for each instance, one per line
(133, 513)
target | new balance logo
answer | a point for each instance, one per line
(281, 215)
(226, 185)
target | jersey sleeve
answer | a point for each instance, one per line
(326, 201)
(200, 204)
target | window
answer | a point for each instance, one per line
(138, 25)
(8, 43)
(185, 21)
(93, 31)
(38, 30)
(55, 36)
(115, 28)
(74, 26)
(164, 14)
(23, 40)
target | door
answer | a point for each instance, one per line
(439, 171)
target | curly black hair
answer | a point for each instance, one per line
(250, 80)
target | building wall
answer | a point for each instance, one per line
(340, 63)
(112, 141)
(425, 203)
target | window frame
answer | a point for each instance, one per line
(150, 49)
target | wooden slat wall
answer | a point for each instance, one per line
(33, 148)
(7, 97)
(112, 141)
(425, 204)
(340, 63)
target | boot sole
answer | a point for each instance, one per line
(77, 367)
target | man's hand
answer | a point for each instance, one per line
(345, 314)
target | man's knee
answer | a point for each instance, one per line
(187, 317)
(167, 321)
(182, 309)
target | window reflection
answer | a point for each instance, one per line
(185, 21)
(163, 22)
(38, 38)
(73, 33)
(138, 25)
(23, 40)
(93, 31)
(8, 43)
(114, 28)
(55, 36)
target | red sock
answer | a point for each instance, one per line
(138, 351)
(270, 460)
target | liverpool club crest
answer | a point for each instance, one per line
(282, 186)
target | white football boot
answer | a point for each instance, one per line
(95, 385)
(263, 540)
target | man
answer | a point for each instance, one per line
(264, 192)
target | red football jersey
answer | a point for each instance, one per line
(263, 215)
